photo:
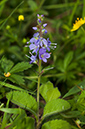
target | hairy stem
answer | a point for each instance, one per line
(38, 87)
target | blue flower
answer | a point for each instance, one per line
(39, 45)
(44, 31)
(44, 25)
(34, 47)
(36, 34)
(40, 18)
(43, 42)
(48, 44)
(43, 55)
(34, 38)
(33, 59)
(34, 28)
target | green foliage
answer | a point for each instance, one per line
(65, 69)
(55, 106)
(33, 5)
(26, 122)
(2, 92)
(71, 114)
(21, 119)
(16, 79)
(48, 92)
(56, 124)
(81, 102)
(11, 110)
(10, 14)
(20, 67)
(11, 86)
(7, 66)
(75, 89)
(23, 100)
(68, 59)
(2, 4)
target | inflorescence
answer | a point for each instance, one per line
(78, 24)
(20, 18)
(39, 46)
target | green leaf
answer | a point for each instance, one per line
(68, 59)
(66, 27)
(81, 99)
(73, 12)
(80, 56)
(20, 67)
(23, 100)
(56, 124)
(11, 86)
(16, 79)
(72, 66)
(44, 88)
(32, 5)
(53, 94)
(6, 64)
(55, 106)
(71, 114)
(25, 123)
(2, 4)
(75, 89)
(56, 6)
(47, 68)
(48, 92)
(82, 95)
(82, 119)
(11, 110)
(19, 117)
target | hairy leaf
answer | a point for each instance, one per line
(23, 100)
(11, 86)
(20, 67)
(56, 124)
(48, 92)
(16, 79)
(44, 88)
(53, 94)
(55, 106)
(11, 110)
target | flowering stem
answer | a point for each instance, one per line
(19, 28)
(38, 87)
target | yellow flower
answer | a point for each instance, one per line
(78, 23)
(20, 18)
(7, 74)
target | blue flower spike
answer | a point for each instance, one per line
(39, 46)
